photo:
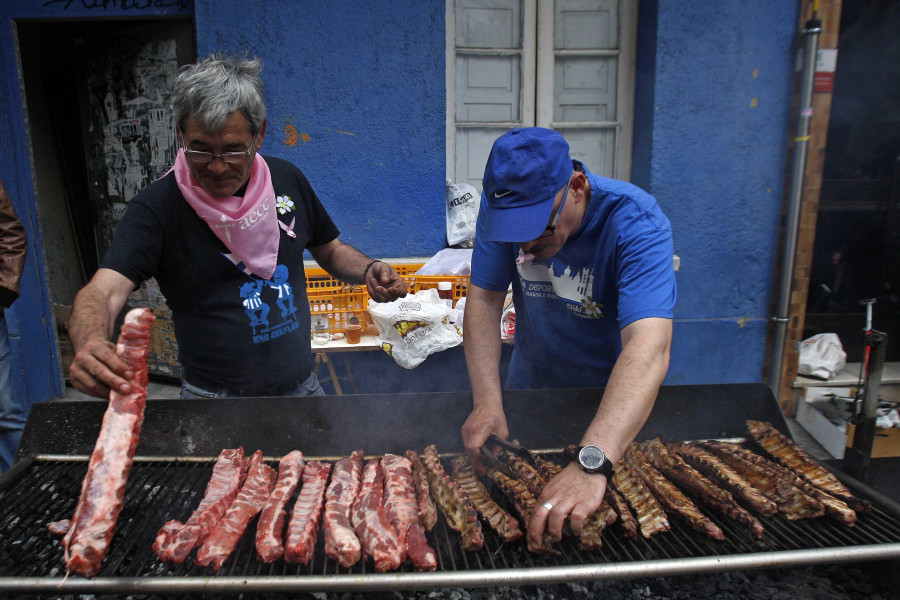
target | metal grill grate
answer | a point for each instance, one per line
(31, 558)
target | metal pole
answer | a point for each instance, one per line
(811, 31)
(858, 457)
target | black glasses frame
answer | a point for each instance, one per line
(551, 228)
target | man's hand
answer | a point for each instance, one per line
(482, 422)
(384, 283)
(573, 494)
(97, 368)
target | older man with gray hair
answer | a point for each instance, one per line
(223, 233)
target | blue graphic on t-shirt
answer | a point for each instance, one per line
(254, 307)
(257, 309)
(285, 299)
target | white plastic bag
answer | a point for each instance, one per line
(461, 312)
(449, 261)
(462, 213)
(822, 356)
(411, 328)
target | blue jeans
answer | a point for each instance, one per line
(310, 387)
(12, 417)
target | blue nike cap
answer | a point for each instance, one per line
(525, 170)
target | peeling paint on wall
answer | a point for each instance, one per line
(290, 135)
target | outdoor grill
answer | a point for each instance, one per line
(181, 439)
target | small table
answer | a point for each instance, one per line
(849, 378)
(367, 341)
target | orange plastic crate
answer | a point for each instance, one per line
(341, 300)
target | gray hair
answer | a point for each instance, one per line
(210, 90)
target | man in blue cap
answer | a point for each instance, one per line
(590, 261)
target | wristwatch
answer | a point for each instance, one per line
(593, 460)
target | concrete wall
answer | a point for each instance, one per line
(356, 98)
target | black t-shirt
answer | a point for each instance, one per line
(236, 332)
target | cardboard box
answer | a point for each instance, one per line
(887, 441)
(834, 438)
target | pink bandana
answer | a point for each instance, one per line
(247, 226)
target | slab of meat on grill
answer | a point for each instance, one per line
(270, 528)
(524, 501)
(506, 525)
(249, 501)
(453, 501)
(790, 455)
(673, 466)
(674, 501)
(371, 523)
(304, 523)
(592, 528)
(175, 540)
(341, 542)
(525, 473)
(792, 502)
(722, 474)
(546, 468)
(102, 491)
(626, 520)
(427, 509)
(834, 507)
(590, 537)
(403, 511)
(650, 515)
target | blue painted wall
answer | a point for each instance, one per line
(356, 98)
(362, 82)
(713, 113)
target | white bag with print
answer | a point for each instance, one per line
(411, 328)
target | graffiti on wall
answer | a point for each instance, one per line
(130, 142)
(120, 4)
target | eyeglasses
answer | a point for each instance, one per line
(231, 158)
(551, 228)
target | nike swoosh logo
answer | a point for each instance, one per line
(506, 193)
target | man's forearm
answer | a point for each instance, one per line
(90, 318)
(481, 331)
(631, 391)
(343, 261)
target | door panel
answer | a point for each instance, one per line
(488, 24)
(473, 145)
(487, 88)
(596, 148)
(585, 89)
(586, 24)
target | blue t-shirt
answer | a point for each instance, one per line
(617, 268)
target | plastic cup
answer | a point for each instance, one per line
(353, 331)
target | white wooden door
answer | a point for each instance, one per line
(563, 64)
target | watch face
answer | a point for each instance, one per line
(591, 457)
